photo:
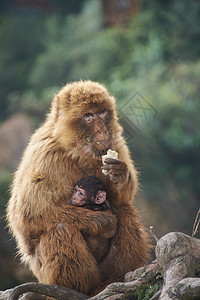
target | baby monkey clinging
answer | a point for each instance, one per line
(90, 192)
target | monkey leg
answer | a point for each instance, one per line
(129, 247)
(62, 258)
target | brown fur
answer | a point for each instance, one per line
(98, 245)
(48, 230)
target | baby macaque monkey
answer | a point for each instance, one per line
(90, 193)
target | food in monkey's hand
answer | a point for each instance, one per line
(110, 154)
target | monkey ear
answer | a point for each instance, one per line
(100, 197)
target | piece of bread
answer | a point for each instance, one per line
(110, 154)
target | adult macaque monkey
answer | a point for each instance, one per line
(81, 126)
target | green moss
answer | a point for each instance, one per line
(144, 292)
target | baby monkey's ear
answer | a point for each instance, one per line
(100, 197)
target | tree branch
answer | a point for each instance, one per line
(54, 291)
(196, 223)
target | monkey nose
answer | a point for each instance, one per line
(101, 132)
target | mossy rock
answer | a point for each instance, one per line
(144, 292)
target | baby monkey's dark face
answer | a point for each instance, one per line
(83, 197)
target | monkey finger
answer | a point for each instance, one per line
(107, 171)
(115, 162)
(112, 161)
(114, 177)
(114, 167)
(117, 175)
(115, 172)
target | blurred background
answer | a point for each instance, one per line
(147, 53)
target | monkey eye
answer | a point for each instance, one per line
(80, 194)
(88, 117)
(103, 113)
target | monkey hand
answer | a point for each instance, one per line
(117, 170)
(110, 230)
(106, 224)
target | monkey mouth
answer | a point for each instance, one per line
(99, 153)
(102, 145)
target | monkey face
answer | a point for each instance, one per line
(79, 197)
(87, 194)
(85, 121)
(96, 125)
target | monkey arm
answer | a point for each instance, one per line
(122, 176)
(89, 222)
(33, 226)
(123, 182)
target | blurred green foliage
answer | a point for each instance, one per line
(156, 54)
